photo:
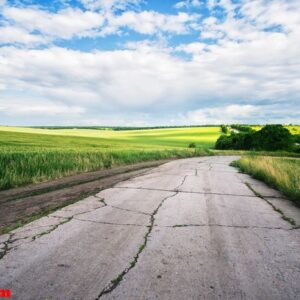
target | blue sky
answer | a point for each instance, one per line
(134, 62)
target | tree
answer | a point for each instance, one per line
(273, 137)
(224, 129)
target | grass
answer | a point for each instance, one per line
(280, 172)
(30, 155)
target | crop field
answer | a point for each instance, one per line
(29, 155)
(294, 129)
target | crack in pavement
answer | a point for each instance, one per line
(102, 200)
(10, 240)
(36, 236)
(5, 250)
(181, 184)
(6, 244)
(130, 210)
(110, 223)
(51, 229)
(203, 161)
(183, 192)
(226, 226)
(283, 216)
(115, 282)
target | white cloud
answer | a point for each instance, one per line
(109, 5)
(151, 22)
(36, 26)
(145, 77)
(187, 4)
(11, 34)
(219, 115)
(192, 48)
(241, 113)
(38, 107)
(66, 23)
(255, 19)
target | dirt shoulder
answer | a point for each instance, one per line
(21, 205)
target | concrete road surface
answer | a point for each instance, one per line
(189, 229)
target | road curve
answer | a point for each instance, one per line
(189, 229)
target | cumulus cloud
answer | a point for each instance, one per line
(235, 113)
(11, 34)
(151, 22)
(66, 23)
(33, 25)
(241, 113)
(38, 107)
(109, 5)
(187, 4)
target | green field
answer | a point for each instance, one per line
(29, 155)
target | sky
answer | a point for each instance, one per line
(146, 63)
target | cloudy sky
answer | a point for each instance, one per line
(139, 62)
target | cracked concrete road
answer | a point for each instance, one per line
(189, 229)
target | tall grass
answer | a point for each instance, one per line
(23, 167)
(279, 172)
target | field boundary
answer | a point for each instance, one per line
(22, 205)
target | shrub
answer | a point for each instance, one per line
(192, 145)
(224, 142)
(273, 137)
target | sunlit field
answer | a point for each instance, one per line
(29, 155)
(157, 138)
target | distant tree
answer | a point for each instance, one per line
(224, 129)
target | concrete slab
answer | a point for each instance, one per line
(85, 205)
(215, 263)
(73, 262)
(287, 207)
(215, 182)
(143, 201)
(163, 182)
(220, 210)
(266, 191)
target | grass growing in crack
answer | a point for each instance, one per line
(283, 216)
(279, 172)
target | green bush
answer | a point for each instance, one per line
(273, 137)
